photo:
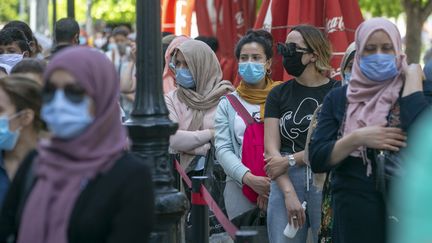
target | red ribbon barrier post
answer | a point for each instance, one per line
(203, 193)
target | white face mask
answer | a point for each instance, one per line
(11, 59)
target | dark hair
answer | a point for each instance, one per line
(26, 30)
(30, 65)
(11, 35)
(24, 93)
(120, 30)
(66, 30)
(262, 37)
(210, 41)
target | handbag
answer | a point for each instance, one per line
(254, 219)
(388, 164)
(388, 167)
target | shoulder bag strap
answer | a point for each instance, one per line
(240, 109)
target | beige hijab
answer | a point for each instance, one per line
(207, 73)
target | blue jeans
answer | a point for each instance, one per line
(277, 215)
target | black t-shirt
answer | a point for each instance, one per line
(294, 104)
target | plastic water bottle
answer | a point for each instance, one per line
(290, 230)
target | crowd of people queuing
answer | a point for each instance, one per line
(312, 153)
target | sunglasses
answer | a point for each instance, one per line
(290, 49)
(73, 93)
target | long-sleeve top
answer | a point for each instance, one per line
(190, 142)
(227, 138)
(351, 172)
(115, 207)
(4, 179)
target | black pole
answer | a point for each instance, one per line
(199, 214)
(71, 8)
(246, 236)
(149, 126)
(54, 15)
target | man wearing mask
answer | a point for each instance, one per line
(13, 47)
(67, 33)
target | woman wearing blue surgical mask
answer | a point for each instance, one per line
(289, 108)
(254, 53)
(81, 184)
(193, 104)
(347, 63)
(20, 125)
(373, 113)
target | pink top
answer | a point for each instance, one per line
(190, 142)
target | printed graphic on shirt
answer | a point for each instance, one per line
(295, 124)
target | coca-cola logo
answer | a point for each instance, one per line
(335, 24)
(239, 19)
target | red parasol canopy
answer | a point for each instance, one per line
(228, 20)
(338, 18)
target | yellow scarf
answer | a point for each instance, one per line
(257, 96)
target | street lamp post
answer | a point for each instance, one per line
(71, 8)
(149, 126)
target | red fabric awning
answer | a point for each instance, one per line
(227, 20)
(338, 18)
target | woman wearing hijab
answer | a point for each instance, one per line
(168, 77)
(355, 118)
(86, 188)
(193, 104)
(347, 63)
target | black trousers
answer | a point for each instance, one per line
(359, 216)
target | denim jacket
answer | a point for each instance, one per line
(228, 150)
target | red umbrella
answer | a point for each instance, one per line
(338, 18)
(168, 15)
(228, 20)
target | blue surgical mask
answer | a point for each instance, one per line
(184, 78)
(347, 78)
(8, 139)
(251, 72)
(11, 59)
(64, 118)
(379, 67)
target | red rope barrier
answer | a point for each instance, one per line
(229, 227)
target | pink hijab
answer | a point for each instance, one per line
(369, 102)
(62, 167)
(168, 75)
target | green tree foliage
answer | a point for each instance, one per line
(8, 10)
(389, 8)
(114, 11)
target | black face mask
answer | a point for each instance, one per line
(292, 59)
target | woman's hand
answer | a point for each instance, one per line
(262, 202)
(376, 137)
(414, 77)
(276, 166)
(260, 184)
(296, 213)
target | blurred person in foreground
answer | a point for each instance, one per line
(84, 186)
(413, 194)
(20, 125)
